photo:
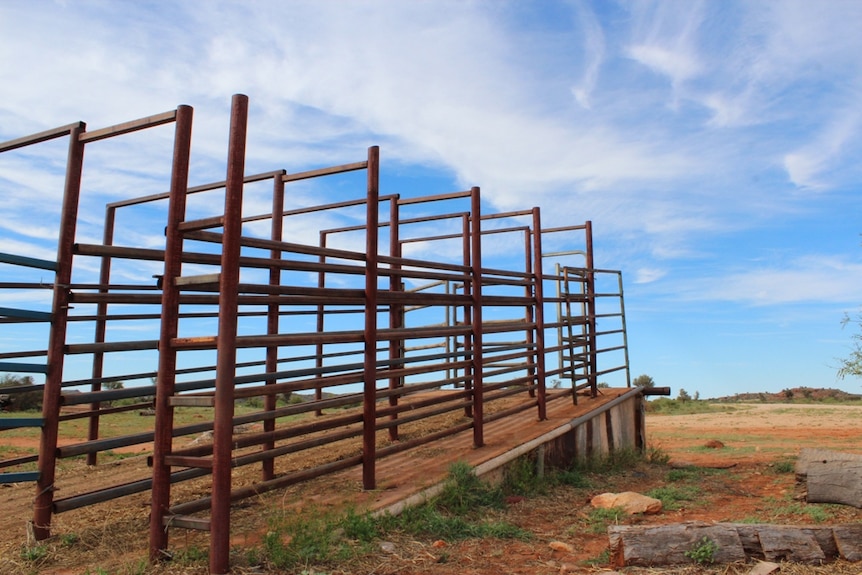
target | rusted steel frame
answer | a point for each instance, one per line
(273, 316)
(329, 381)
(369, 401)
(287, 432)
(435, 198)
(417, 387)
(476, 292)
(396, 310)
(41, 136)
(265, 244)
(591, 309)
(107, 411)
(428, 299)
(422, 403)
(271, 454)
(29, 263)
(170, 302)
(467, 310)
(425, 413)
(265, 486)
(305, 338)
(325, 171)
(539, 293)
(18, 461)
(411, 443)
(335, 297)
(529, 307)
(100, 329)
(79, 348)
(42, 506)
(321, 316)
(226, 339)
(128, 127)
(107, 494)
(191, 190)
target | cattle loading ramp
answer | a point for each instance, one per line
(383, 309)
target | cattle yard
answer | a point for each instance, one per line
(377, 309)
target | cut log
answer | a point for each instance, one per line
(789, 542)
(810, 456)
(848, 538)
(643, 545)
(835, 482)
(646, 546)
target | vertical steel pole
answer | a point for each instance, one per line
(396, 310)
(540, 312)
(591, 310)
(369, 395)
(226, 340)
(476, 266)
(166, 378)
(321, 322)
(101, 327)
(529, 316)
(468, 313)
(42, 508)
(272, 315)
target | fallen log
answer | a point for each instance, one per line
(831, 476)
(650, 545)
(680, 543)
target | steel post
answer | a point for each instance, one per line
(369, 399)
(476, 267)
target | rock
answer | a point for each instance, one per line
(561, 546)
(438, 544)
(629, 501)
(714, 444)
(387, 546)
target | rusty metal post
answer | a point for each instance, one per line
(272, 316)
(226, 340)
(369, 395)
(166, 377)
(396, 310)
(468, 314)
(319, 347)
(101, 327)
(591, 310)
(476, 266)
(528, 312)
(539, 313)
(42, 508)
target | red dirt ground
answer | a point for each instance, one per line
(758, 442)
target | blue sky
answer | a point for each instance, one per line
(714, 145)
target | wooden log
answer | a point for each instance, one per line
(646, 546)
(766, 541)
(836, 482)
(848, 539)
(811, 456)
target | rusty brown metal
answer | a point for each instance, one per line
(369, 399)
(42, 507)
(226, 343)
(170, 303)
(491, 342)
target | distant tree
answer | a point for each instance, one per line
(113, 385)
(644, 381)
(683, 396)
(603, 385)
(696, 396)
(21, 400)
(852, 364)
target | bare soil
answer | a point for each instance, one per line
(744, 476)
